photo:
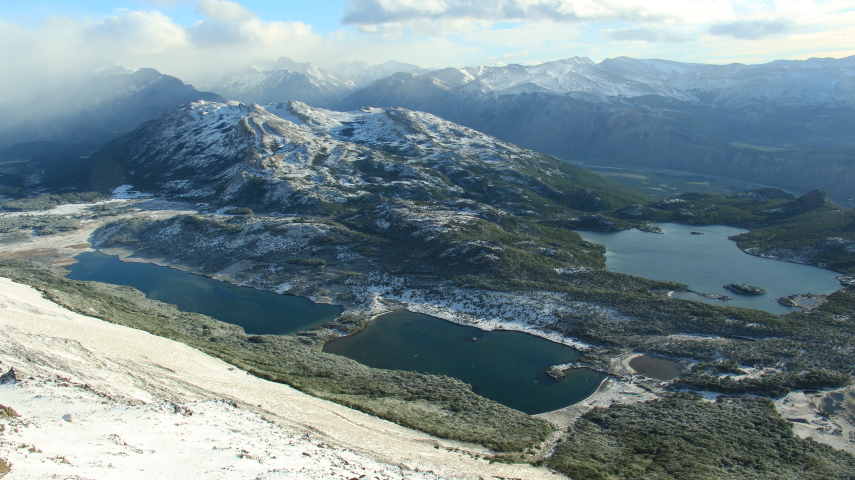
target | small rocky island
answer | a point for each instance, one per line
(744, 289)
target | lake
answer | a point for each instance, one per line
(508, 367)
(707, 262)
(505, 366)
(655, 367)
(257, 311)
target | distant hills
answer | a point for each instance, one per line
(86, 114)
(785, 123)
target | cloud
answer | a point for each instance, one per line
(135, 32)
(224, 10)
(754, 29)
(229, 23)
(373, 12)
(648, 35)
(165, 3)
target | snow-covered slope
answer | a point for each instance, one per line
(291, 156)
(282, 81)
(101, 401)
(818, 81)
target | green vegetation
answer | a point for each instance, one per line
(810, 349)
(744, 289)
(439, 405)
(684, 437)
(46, 202)
(17, 228)
(7, 412)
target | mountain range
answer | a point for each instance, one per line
(785, 123)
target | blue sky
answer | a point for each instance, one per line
(195, 39)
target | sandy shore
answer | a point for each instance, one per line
(46, 343)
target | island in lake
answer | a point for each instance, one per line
(744, 289)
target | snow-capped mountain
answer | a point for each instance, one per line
(281, 81)
(816, 81)
(285, 79)
(292, 157)
(362, 73)
(391, 189)
(785, 123)
(572, 75)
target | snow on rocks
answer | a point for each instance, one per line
(67, 431)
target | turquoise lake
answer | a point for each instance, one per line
(708, 262)
(505, 366)
(257, 311)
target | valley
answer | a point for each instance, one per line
(478, 259)
(445, 240)
(382, 210)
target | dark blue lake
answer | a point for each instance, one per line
(508, 367)
(257, 311)
(709, 261)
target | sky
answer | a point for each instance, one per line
(44, 41)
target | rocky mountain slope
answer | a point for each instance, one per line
(784, 123)
(290, 157)
(388, 177)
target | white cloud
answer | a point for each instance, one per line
(224, 10)
(372, 12)
(432, 33)
(135, 32)
(754, 29)
(647, 35)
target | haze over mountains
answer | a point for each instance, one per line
(785, 123)
(86, 113)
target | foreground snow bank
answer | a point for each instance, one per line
(66, 431)
(102, 401)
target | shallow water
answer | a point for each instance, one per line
(708, 262)
(257, 311)
(655, 367)
(508, 367)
